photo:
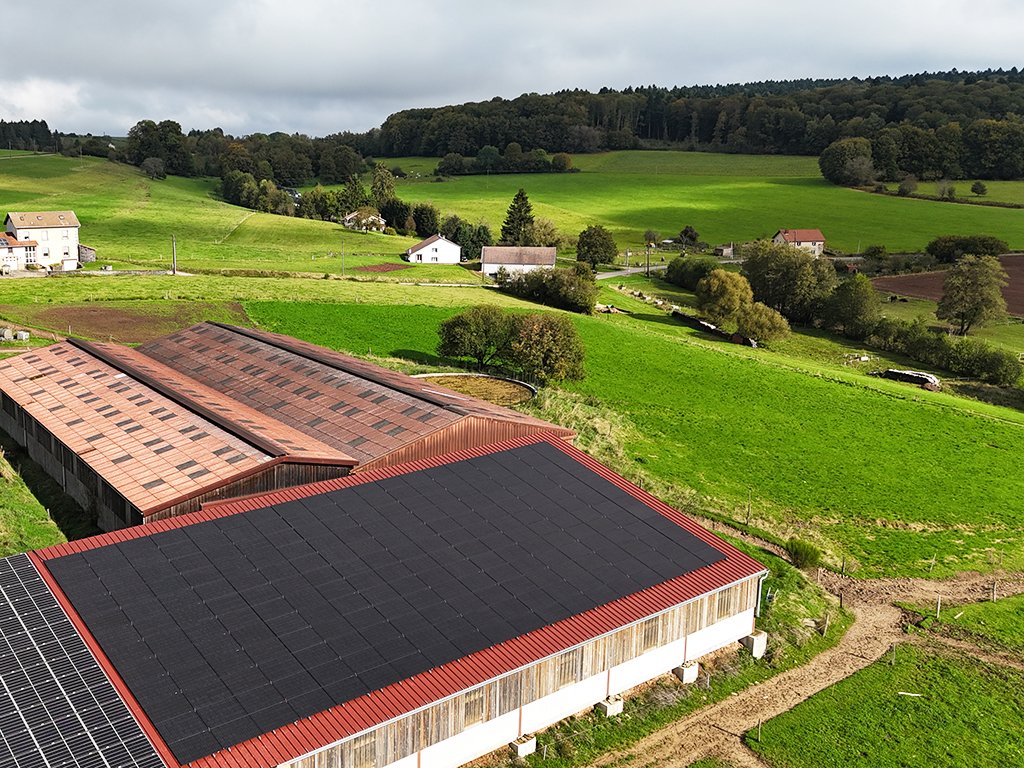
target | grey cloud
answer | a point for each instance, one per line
(321, 67)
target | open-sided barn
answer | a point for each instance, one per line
(215, 412)
(419, 615)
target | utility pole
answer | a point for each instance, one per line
(174, 255)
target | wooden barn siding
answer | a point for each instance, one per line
(467, 433)
(275, 478)
(414, 732)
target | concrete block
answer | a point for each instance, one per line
(756, 642)
(22, 335)
(524, 745)
(688, 672)
(611, 706)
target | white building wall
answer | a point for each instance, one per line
(438, 252)
(719, 635)
(473, 742)
(54, 242)
(491, 270)
(645, 667)
(562, 703)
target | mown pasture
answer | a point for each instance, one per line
(999, 622)
(887, 475)
(962, 712)
(725, 197)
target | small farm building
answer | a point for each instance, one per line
(808, 239)
(214, 412)
(46, 238)
(420, 615)
(364, 220)
(434, 250)
(515, 258)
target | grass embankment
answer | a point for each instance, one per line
(967, 713)
(886, 475)
(726, 197)
(579, 741)
(24, 523)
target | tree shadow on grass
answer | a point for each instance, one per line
(418, 356)
(73, 521)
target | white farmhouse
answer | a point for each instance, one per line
(47, 238)
(434, 250)
(515, 258)
(806, 239)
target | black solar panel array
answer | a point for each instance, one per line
(227, 629)
(57, 707)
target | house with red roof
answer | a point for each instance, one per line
(807, 239)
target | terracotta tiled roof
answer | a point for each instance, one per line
(518, 254)
(150, 449)
(7, 241)
(40, 219)
(354, 406)
(801, 235)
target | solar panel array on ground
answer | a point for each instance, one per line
(226, 629)
(57, 708)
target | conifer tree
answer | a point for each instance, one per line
(518, 226)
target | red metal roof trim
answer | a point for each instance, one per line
(294, 740)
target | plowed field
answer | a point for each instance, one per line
(928, 285)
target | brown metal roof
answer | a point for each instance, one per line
(354, 406)
(40, 219)
(518, 254)
(149, 448)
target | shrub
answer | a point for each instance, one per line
(908, 186)
(762, 323)
(803, 554)
(561, 288)
(979, 188)
(687, 271)
(482, 333)
(546, 347)
(949, 248)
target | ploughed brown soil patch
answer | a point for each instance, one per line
(928, 285)
(127, 323)
(381, 267)
(495, 391)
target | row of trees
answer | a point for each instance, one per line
(540, 347)
(491, 160)
(793, 117)
(981, 149)
(30, 135)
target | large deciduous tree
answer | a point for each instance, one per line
(721, 295)
(842, 161)
(518, 226)
(972, 294)
(482, 333)
(854, 307)
(382, 186)
(788, 279)
(546, 347)
(596, 246)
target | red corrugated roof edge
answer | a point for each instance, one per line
(294, 740)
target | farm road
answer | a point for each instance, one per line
(717, 730)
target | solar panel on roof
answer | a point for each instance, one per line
(65, 711)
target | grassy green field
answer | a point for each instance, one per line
(726, 197)
(1000, 622)
(1000, 191)
(130, 219)
(882, 473)
(967, 714)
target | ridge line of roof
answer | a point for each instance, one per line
(270, 447)
(274, 341)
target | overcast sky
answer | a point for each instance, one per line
(320, 67)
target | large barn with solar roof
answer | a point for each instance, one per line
(420, 614)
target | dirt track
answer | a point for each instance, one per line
(718, 730)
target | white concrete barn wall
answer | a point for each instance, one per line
(480, 739)
(492, 269)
